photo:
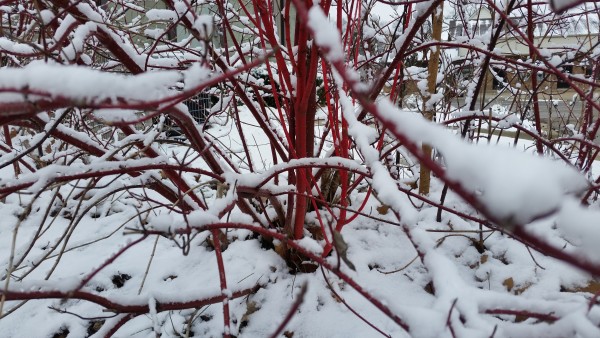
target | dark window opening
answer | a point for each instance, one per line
(172, 33)
(459, 30)
(452, 30)
(483, 26)
(560, 83)
(281, 26)
(539, 76)
(499, 78)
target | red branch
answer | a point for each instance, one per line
(120, 307)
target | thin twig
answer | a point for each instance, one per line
(292, 311)
(148, 266)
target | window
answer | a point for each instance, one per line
(452, 30)
(483, 26)
(560, 83)
(172, 33)
(459, 30)
(455, 29)
(540, 77)
(499, 78)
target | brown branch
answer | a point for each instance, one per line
(115, 306)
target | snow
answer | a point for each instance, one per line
(533, 186)
(584, 232)
(84, 84)
(452, 277)
(47, 16)
(173, 276)
(161, 15)
(81, 84)
(16, 48)
(204, 25)
(562, 5)
(326, 34)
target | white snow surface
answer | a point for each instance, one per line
(514, 186)
(326, 34)
(465, 280)
(82, 84)
(447, 278)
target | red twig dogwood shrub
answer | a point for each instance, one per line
(162, 157)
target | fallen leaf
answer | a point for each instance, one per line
(509, 283)
(383, 209)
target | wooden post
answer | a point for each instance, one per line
(429, 111)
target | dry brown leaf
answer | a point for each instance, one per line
(592, 287)
(483, 259)
(509, 283)
(522, 289)
(383, 209)
(280, 249)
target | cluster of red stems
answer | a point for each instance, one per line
(293, 63)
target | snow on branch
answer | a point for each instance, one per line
(89, 87)
(515, 187)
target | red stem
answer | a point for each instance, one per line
(216, 233)
(114, 306)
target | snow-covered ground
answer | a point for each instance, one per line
(466, 285)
